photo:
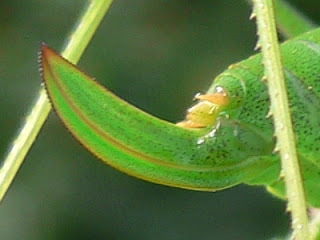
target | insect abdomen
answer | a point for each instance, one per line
(301, 58)
(250, 104)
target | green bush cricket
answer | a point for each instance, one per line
(226, 138)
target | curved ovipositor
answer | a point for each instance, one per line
(141, 145)
(226, 138)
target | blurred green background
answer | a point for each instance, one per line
(155, 54)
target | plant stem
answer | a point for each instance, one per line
(268, 39)
(77, 43)
(290, 21)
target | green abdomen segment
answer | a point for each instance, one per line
(301, 57)
(302, 69)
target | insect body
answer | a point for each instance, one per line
(226, 138)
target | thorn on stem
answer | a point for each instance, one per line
(258, 46)
(264, 79)
(252, 16)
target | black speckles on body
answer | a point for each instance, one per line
(302, 64)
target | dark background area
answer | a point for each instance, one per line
(155, 54)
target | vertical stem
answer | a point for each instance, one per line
(78, 41)
(290, 21)
(268, 40)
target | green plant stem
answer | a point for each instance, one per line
(268, 39)
(291, 22)
(77, 43)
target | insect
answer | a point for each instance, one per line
(226, 138)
